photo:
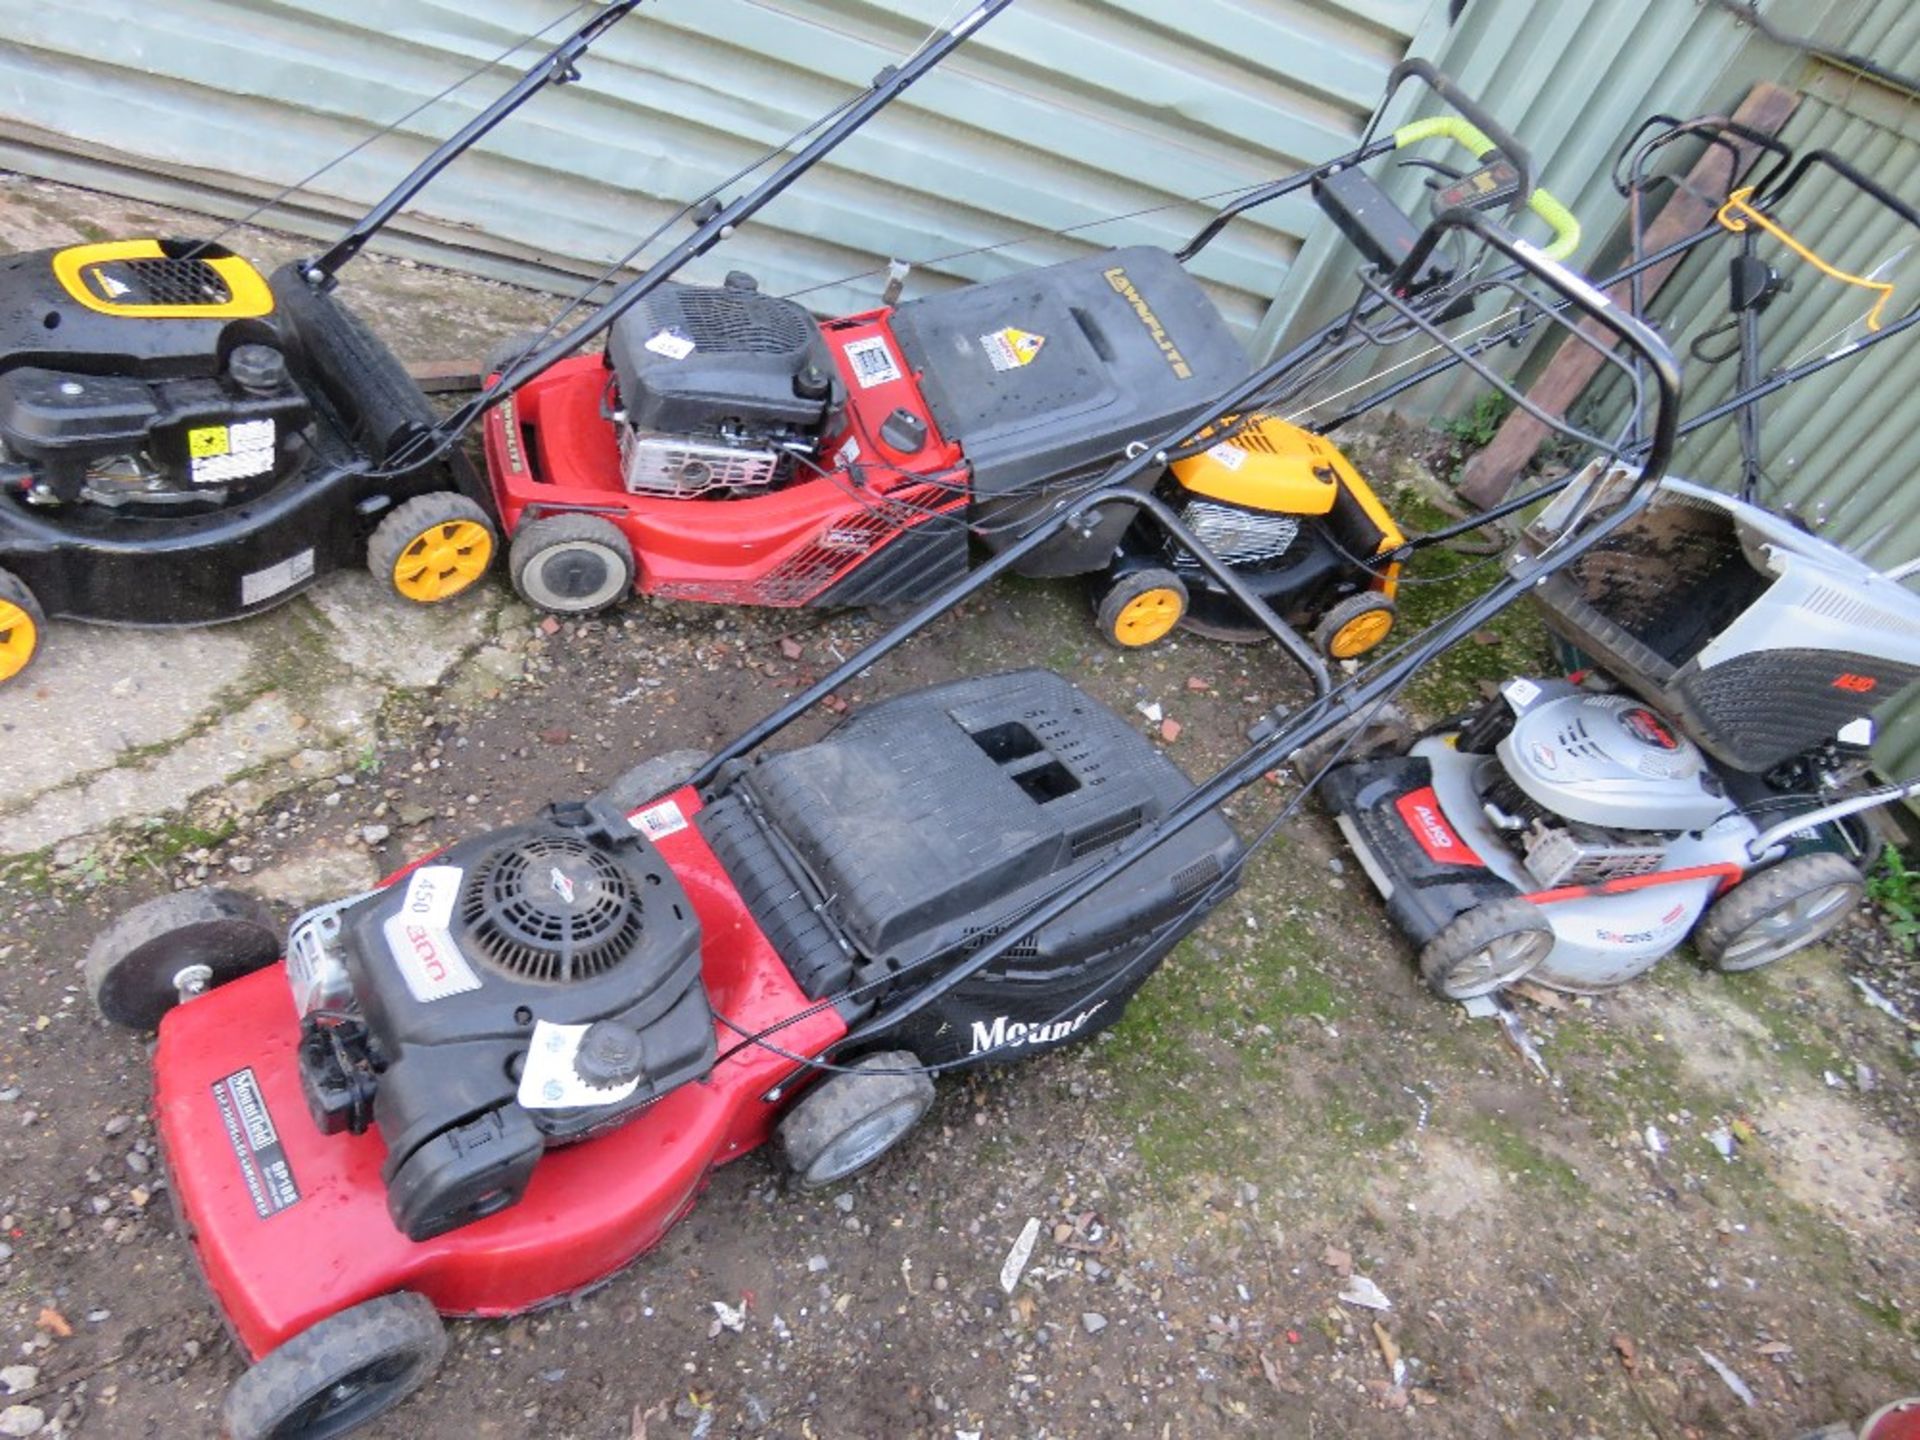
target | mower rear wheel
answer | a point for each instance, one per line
(432, 547)
(1355, 625)
(1783, 908)
(341, 1373)
(651, 779)
(570, 564)
(140, 966)
(850, 1119)
(21, 619)
(1140, 608)
(1482, 949)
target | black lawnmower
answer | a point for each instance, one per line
(184, 440)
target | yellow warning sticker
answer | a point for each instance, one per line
(207, 440)
(1011, 348)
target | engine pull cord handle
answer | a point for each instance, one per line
(1738, 213)
(1562, 221)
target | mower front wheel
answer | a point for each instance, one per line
(176, 945)
(21, 620)
(340, 1374)
(1140, 608)
(1783, 908)
(432, 547)
(852, 1118)
(1485, 948)
(570, 564)
(1355, 625)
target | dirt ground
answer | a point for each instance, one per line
(1283, 1109)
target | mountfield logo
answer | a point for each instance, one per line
(1005, 1035)
(1420, 810)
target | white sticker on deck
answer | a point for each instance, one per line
(658, 821)
(1231, 456)
(674, 347)
(872, 362)
(276, 579)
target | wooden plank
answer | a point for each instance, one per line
(1491, 473)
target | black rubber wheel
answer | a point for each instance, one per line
(1354, 625)
(571, 564)
(850, 1119)
(341, 1373)
(1778, 910)
(652, 778)
(1482, 949)
(21, 623)
(1141, 608)
(135, 967)
(432, 547)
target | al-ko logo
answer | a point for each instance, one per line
(1420, 810)
(423, 950)
(1005, 1035)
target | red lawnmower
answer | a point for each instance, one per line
(727, 446)
(502, 1075)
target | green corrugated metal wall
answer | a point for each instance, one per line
(1058, 112)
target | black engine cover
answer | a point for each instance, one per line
(493, 949)
(145, 356)
(723, 361)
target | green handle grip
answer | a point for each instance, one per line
(1562, 221)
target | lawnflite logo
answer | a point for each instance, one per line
(1124, 287)
(1420, 811)
(1005, 1035)
(418, 939)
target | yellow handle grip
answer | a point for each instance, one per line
(1562, 221)
(1445, 127)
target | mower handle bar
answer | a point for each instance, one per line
(554, 67)
(716, 221)
(1472, 127)
(1843, 168)
(1766, 840)
(1330, 707)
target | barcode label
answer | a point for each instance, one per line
(872, 362)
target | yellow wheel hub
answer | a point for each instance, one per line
(18, 637)
(1148, 616)
(1360, 634)
(442, 560)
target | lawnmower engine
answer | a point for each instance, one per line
(1590, 788)
(719, 388)
(525, 988)
(143, 374)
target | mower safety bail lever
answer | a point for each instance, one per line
(557, 67)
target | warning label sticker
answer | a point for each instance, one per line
(1011, 348)
(219, 453)
(658, 821)
(256, 1143)
(259, 585)
(1231, 456)
(872, 362)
